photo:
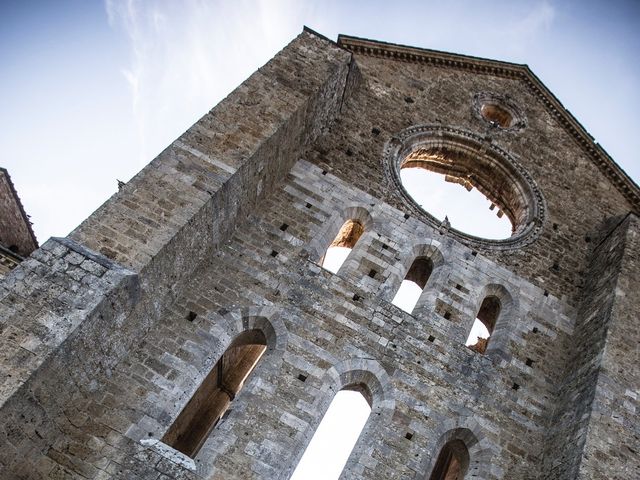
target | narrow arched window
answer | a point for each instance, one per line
(484, 324)
(332, 443)
(452, 462)
(413, 284)
(339, 250)
(216, 392)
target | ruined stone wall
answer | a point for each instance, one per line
(59, 310)
(326, 331)
(111, 331)
(612, 438)
(15, 231)
(400, 94)
(159, 228)
(576, 393)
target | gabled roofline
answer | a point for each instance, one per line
(25, 217)
(616, 175)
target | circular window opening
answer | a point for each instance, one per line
(459, 203)
(499, 111)
(454, 194)
(456, 180)
(496, 115)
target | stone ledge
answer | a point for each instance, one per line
(169, 453)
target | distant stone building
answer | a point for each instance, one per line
(188, 330)
(16, 235)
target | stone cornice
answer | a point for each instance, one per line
(625, 185)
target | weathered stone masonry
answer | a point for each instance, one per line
(17, 239)
(107, 334)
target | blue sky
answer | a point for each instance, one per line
(92, 91)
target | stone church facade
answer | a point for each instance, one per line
(187, 330)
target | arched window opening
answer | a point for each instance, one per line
(454, 188)
(337, 434)
(484, 324)
(211, 400)
(413, 284)
(452, 462)
(339, 250)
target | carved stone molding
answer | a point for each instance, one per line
(526, 207)
(623, 183)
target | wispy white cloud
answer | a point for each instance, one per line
(520, 33)
(186, 56)
(538, 19)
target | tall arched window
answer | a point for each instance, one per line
(339, 250)
(452, 462)
(484, 324)
(216, 392)
(335, 437)
(413, 284)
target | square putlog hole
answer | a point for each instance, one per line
(302, 377)
(191, 316)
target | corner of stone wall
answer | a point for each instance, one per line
(578, 411)
(47, 297)
(611, 443)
